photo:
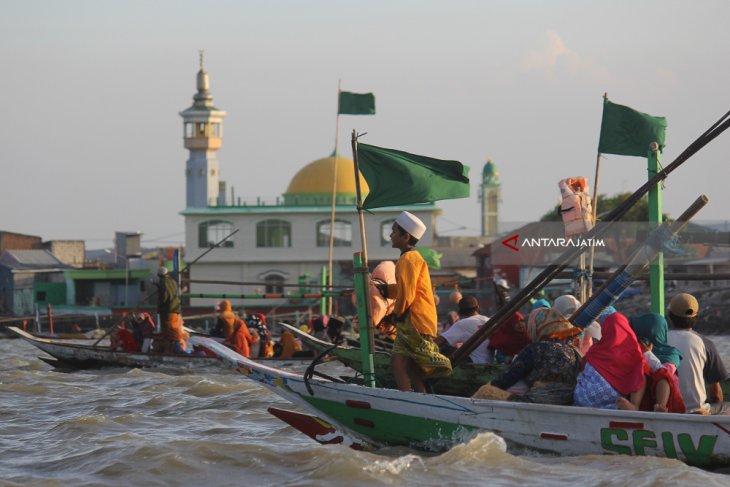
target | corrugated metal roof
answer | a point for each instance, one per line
(30, 260)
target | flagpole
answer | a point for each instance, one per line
(334, 200)
(362, 283)
(595, 213)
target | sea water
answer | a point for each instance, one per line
(209, 427)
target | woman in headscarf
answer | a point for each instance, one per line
(612, 368)
(234, 330)
(549, 365)
(661, 393)
(567, 305)
(511, 336)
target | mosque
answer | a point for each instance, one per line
(285, 241)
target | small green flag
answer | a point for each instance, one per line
(399, 178)
(356, 103)
(626, 132)
(432, 257)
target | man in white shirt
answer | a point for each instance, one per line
(700, 364)
(470, 321)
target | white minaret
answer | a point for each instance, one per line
(203, 132)
(490, 199)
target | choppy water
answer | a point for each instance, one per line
(210, 427)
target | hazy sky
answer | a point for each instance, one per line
(91, 140)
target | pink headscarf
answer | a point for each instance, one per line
(617, 357)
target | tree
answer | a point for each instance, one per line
(638, 213)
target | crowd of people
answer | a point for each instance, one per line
(617, 362)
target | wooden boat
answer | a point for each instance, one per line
(465, 380)
(365, 417)
(82, 356)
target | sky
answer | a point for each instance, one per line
(91, 137)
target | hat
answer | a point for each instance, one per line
(502, 283)
(567, 304)
(162, 271)
(684, 305)
(468, 303)
(411, 224)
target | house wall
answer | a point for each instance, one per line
(70, 252)
(17, 241)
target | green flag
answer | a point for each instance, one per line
(432, 257)
(626, 132)
(399, 178)
(356, 103)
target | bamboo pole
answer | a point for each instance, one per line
(362, 281)
(334, 199)
(595, 213)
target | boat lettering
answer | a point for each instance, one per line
(619, 441)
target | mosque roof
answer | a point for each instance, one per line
(490, 175)
(313, 183)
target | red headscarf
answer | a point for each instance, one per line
(617, 357)
(511, 336)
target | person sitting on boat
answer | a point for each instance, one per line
(702, 366)
(470, 321)
(287, 346)
(661, 361)
(143, 329)
(415, 355)
(567, 305)
(612, 368)
(257, 322)
(511, 335)
(225, 325)
(240, 340)
(123, 340)
(334, 329)
(319, 327)
(168, 307)
(381, 307)
(544, 371)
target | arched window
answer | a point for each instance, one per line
(273, 233)
(342, 233)
(274, 284)
(213, 231)
(385, 228)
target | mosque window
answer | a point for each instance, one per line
(342, 233)
(213, 231)
(274, 284)
(385, 228)
(273, 233)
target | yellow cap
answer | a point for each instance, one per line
(684, 305)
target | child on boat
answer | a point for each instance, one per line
(661, 384)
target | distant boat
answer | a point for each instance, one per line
(82, 356)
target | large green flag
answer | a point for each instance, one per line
(626, 132)
(399, 178)
(356, 103)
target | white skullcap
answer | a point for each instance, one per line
(567, 304)
(162, 271)
(411, 224)
(502, 283)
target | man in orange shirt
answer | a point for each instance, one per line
(415, 355)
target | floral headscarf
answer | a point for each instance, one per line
(544, 323)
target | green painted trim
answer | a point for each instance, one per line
(104, 274)
(390, 428)
(263, 209)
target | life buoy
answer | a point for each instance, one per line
(576, 209)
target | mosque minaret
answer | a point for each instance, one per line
(490, 196)
(203, 133)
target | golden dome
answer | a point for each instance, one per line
(313, 183)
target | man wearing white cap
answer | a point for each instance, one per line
(415, 355)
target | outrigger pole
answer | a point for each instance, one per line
(362, 283)
(561, 262)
